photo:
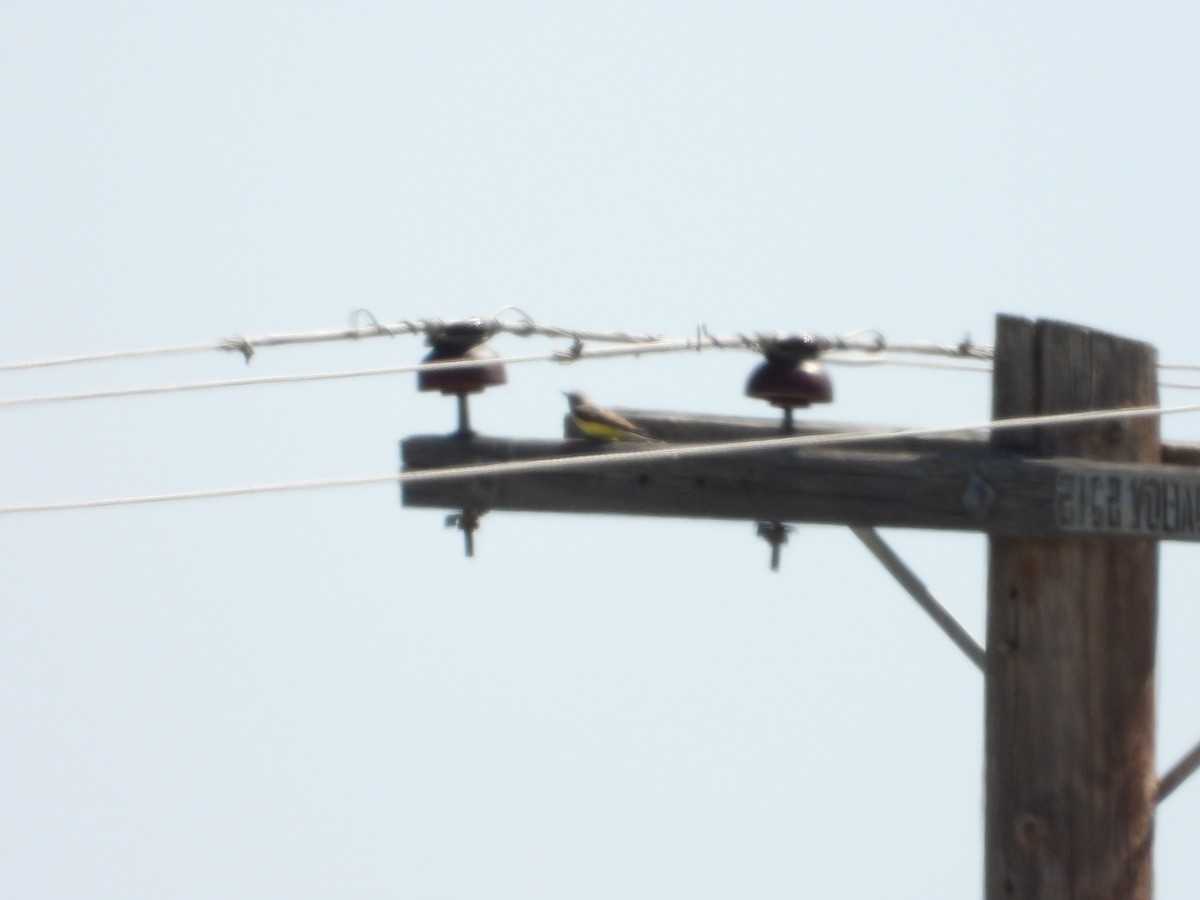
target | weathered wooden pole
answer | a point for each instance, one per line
(1071, 640)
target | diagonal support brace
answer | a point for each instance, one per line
(1178, 774)
(917, 590)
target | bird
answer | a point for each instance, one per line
(601, 424)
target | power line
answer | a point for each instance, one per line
(560, 356)
(576, 352)
(786, 442)
(862, 347)
(852, 358)
(248, 345)
(594, 460)
(109, 355)
(860, 358)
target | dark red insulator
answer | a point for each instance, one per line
(461, 341)
(791, 375)
(790, 378)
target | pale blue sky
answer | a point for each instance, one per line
(315, 695)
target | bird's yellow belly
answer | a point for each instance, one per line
(599, 430)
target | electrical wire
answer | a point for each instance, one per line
(561, 356)
(248, 345)
(572, 354)
(860, 348)
(846, 358)
(108, 355)
(869, 343)
(865, 340)
(616, 459)
(858, 358)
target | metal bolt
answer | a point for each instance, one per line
(775, 534)
(467, 522)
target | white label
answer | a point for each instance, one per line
(1131, 505)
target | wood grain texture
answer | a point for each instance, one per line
(905, 489)
(688, 427)
(1071, 642)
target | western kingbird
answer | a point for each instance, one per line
(601, 424)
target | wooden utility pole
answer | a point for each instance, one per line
(1073, 513)
(1071, 640)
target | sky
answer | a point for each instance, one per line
(315, 694)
